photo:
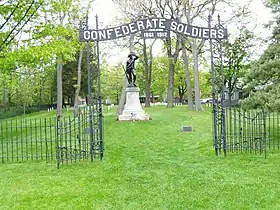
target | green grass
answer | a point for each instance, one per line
(148, 165)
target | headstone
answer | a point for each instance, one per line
(133, 110)
(187, 129)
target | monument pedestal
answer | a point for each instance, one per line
(132, 109)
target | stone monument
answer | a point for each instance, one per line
(132, 109)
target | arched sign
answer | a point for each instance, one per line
(153, 23)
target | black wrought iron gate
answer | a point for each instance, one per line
(234, 129)
(81, 138)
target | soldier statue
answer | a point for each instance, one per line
(130, 69)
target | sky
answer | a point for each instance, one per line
(107, 12)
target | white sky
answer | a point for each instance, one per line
(107, 12)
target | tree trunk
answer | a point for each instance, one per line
(198, 106)
(172, 58)
(181, 92)
(170, 90)
(59, 88)
(9, 97)
(148, 72)
(147, 84)
(151, 67)
(59, 68)
(188, 75)
(170, 87)
(123, 95)
(77, 92)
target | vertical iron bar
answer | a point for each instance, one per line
(2, 137)
(214, 105)
(244, 139)
(57, 141)
(26, 138)
(264, 142)
(84, 128)
(269, 131)
(52, 124)
(240, 130)
(79, 132)
(41, 139)
(7, 140)
(75, 137)
(46, 140)
(61, 143)
(223, 94)
(16, 139)
(250, 131)
(12, 140)
(31, 146)
(36, 139)
(72, 152)
(21, 140)
(100, 116)
(255, 130)
(273, 131)
(235, 130)
(260, 127)
(278, 130)
(230, 129)
(65, 131)
(89, 70)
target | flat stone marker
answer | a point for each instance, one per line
(187, 129)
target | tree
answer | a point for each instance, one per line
(78, 85)
(263, 78)
(160, 76)
(53, 41)
(170, 9)
(16, 15)
(187, 74)
(112, 82)
(148, 63)
(60, 26)
(194, 11)
(180, 81)
(236, 60)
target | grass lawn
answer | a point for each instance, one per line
(148, 165)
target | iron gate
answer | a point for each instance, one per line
(235, 129)
(79, 138)
(82, 138)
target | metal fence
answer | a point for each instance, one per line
(67, 140)
(248, 131)
(27, 139)
(77, 139)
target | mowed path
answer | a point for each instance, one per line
(148, 165)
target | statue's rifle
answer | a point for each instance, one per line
(125, 73)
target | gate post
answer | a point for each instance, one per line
(99, 98)
(223, 116)
(89, 70)
(219, 118)
(214, 106)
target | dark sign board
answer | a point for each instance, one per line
(155, 34)
(153, 23)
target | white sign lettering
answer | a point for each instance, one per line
(151, 24)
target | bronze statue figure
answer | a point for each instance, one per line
(130, 69)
